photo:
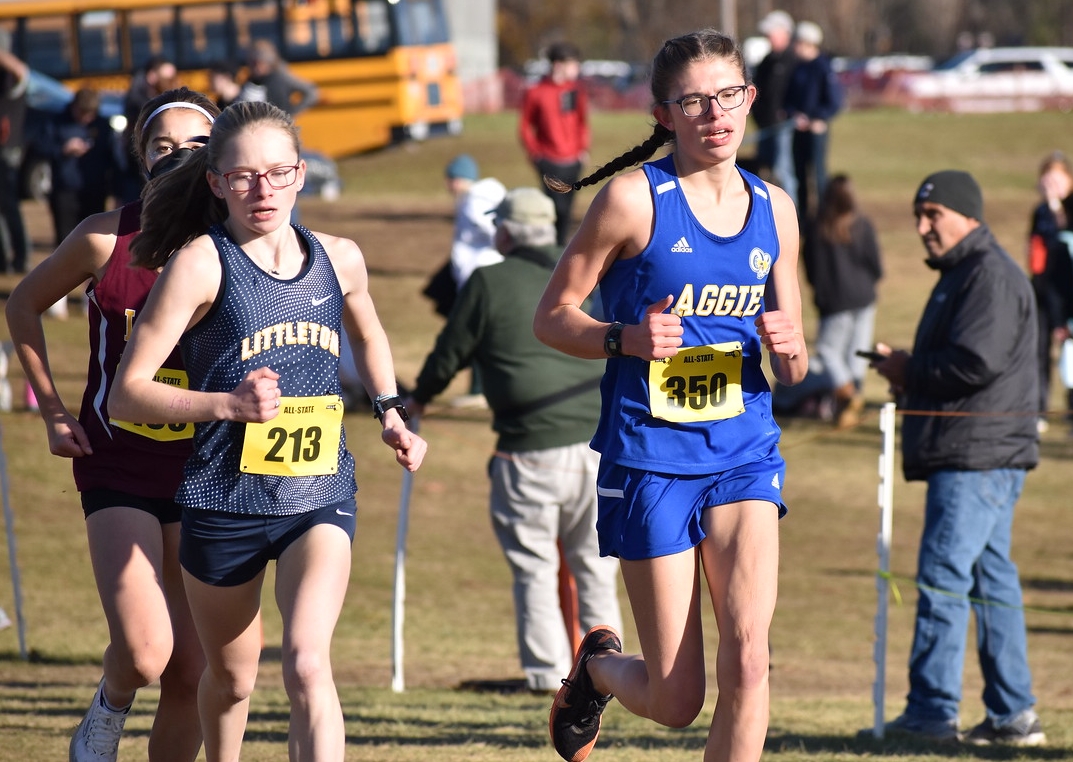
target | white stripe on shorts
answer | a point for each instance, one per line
(606, 492)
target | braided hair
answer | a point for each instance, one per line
(675, 55)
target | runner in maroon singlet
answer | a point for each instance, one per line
(126, 473)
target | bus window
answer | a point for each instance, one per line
(47, 45)
(305, 22)
(256, 20)
(341, 37)
(422, 23)
(206, 35)
(98, 43)
(152, 33)
(319, 29)
(374, 26)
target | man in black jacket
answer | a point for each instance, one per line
(970, 396)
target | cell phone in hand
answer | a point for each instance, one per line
(871, 356)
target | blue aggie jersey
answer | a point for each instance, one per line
(293, 327)
(709, 408)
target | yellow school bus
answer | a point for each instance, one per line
(386, 70)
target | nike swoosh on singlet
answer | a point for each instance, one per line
(318, 302)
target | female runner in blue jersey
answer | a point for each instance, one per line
(696, 260)
(257, 307)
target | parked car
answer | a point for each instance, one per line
(995, 80)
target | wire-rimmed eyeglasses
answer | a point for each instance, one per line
(697, 104)
(243, 180)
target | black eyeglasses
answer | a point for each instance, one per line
(243, 180)
(696, 104)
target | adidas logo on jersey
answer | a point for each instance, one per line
(682, 247)
(775, 481)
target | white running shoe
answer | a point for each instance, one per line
(96, 738)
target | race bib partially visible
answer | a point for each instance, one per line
(303, 440)
(162, 432)
(698, 384)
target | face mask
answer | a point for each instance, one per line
(171, 161)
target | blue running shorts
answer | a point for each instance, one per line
(226, 549)
(644, 514)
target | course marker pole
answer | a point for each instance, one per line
(398, 611)
(886, 524)
(9, 525)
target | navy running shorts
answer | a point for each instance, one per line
(164, 510)
(644, 514)
(226, 549)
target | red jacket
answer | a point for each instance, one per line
(554, 122)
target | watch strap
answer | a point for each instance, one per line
(386, 402)
(613, 340)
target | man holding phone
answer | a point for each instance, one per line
(968, 390)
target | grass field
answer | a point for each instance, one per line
(459, 625)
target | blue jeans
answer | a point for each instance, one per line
(783, 167)
(965, 553)
(839, 337)
(775, 150)
(810, 165)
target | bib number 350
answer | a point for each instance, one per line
(698, 384)
(303, 440)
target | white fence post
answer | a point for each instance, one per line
(886, 523)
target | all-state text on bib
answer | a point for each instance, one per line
(698, 384)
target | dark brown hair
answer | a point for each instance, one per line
(838, 209)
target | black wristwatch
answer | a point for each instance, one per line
(613, 340)
(386, 402)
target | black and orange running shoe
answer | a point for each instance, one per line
(576, 711)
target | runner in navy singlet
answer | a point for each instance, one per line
(258, 306)
(696, 263)
(127, 473)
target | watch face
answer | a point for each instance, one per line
(613, 340)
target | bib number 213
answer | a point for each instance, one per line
(303, 440)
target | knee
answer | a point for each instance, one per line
(147, 661)
(304, 669)
(675, 700)
(678, 708)
(231, 685)
(743, 665)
